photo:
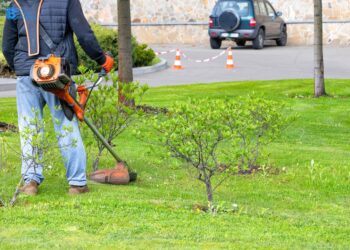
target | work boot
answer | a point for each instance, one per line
(31, 188)
(74, 190)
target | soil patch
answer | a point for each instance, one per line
(7, 127)
(152, 110)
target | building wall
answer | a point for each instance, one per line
(166, 21)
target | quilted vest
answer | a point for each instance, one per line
(53, 17)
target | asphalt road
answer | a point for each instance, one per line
(271, 63)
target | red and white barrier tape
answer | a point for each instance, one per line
(165, 52)
(205, 60)
(193, 60)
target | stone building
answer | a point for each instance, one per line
(166, 21)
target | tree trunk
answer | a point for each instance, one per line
(2, 203)
(17, 192)
(209, 192)
(318, 50)
(124, 44)
(97, 161)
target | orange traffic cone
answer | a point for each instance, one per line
(229, 63)
(177, 63)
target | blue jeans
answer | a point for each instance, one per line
(31, 98)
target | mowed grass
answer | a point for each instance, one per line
(302, 207)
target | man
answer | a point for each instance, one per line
(23, 43)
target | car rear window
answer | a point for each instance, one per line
(242, 7)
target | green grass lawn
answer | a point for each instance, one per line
(299, 208)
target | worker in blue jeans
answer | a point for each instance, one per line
(23, 43)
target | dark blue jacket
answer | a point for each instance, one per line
(60, 19)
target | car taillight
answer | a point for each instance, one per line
(211, 22)
(252, 23)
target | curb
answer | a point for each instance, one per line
(162, 65)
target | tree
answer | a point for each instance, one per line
(318, 50)
(124, 43)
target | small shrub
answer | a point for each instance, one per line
(42, 145)
(109, 115)
(216, 136)
(142, 55)
(108, 39)
(255, 122)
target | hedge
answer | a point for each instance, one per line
(108, 39)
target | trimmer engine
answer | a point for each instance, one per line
(51, 73)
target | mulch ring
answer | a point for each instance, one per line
(7, 127)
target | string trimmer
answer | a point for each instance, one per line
(52, 74)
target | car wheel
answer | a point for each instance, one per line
(241, 43)
(215, 43)
(258, 42)
(282, 41)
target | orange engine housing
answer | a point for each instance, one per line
(51, 72)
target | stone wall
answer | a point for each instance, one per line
(167, 21)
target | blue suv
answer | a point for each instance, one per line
(246, 20)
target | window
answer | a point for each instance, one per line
(270, 10)
(241, 7)
(256, 8)
(262, 8)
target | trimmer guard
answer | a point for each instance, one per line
(117, 176)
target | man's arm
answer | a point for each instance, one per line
(9, 41)
(85, 35)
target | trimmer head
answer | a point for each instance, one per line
(117, 176)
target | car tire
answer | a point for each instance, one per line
(258, 42)
(215, 43)
(282, 41)
(241, 43)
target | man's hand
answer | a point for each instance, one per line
(108, 65)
